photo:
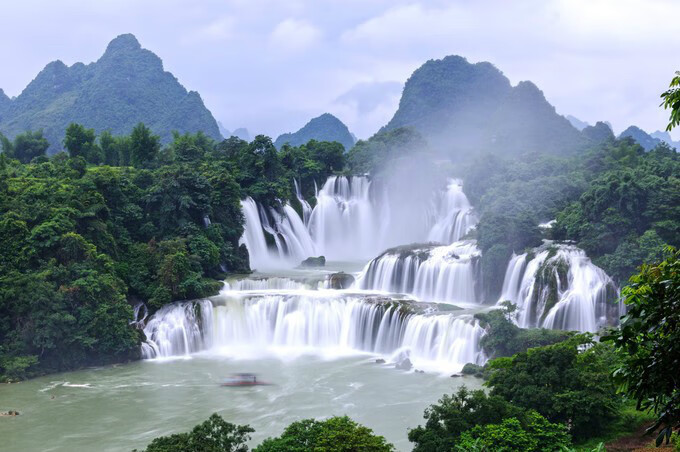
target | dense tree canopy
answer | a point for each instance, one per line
(563, 382)
(648, 341)
(213, 435)
(336, 434)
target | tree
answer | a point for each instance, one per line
(536, 434)
(671, 99)
(29, 145)
(6, 146)
(455, 414)
(567, 383)
(144, 145)
(80, 142)
(504, 338)
(648, 342)
(213, 435)
(107, 143)
(337, 434)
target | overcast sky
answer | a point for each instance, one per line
(270, 65)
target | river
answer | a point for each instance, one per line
(122, 407)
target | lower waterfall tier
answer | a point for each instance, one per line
(293, 324)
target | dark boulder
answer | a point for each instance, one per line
(405, 364)
(314, 262)
(340, 280)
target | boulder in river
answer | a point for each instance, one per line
(319, 261)
(404, 364)
(340, 280)
(380, 361)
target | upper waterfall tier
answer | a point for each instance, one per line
(353, 219)
(453, 214)
(294, 324)
(347, 222)
(559, 287)
(430, 273)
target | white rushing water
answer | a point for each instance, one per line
(560, 288)
(453, 215)
(347, 223)
(438, 274)
(248, 326)
(265, 284)
(352, 220)
(289, 233)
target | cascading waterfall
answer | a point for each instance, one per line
(453, 215)
(306, 208)
(346, 223)
(352, 219)
(292, 240)
(264, 284)
(294, 324)
(178, 329)
(560, 288)
(253, 235)
(438, 274)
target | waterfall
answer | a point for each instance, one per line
(263, 284)
(303, 323)
(560, 288)
(306, 208)
(345, 224)
(454, 216)
(253, 235)
(352, 219)
(178, 329)
(292, 242)
(430, 273)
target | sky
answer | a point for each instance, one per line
(271, 65)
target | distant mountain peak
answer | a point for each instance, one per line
(325, 127)
(580, 125)
(127, 85)
(124, 42)
(464, 108)
(643, 138)
(599, 133)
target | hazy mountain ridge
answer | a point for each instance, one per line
(643, 138)
(665, 136)
(322, 128)
(598, 133)
(577, 123)
(462, 107)
(127, 85)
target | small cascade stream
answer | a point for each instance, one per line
(560, 288)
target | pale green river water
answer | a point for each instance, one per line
(123, 407)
